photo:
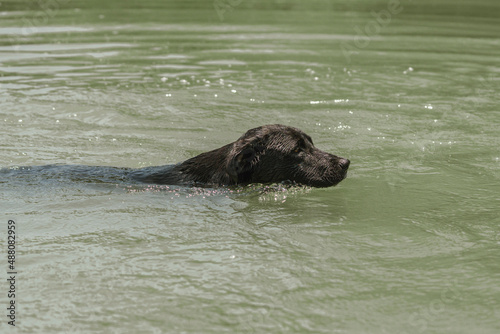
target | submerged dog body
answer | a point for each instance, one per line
(267, 154)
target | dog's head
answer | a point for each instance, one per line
(276, 153)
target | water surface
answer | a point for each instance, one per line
(408, 243)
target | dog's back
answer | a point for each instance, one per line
(267, 154)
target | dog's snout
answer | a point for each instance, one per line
(344, 163)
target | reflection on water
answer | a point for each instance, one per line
(407, 243)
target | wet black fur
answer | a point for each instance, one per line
(267, 154)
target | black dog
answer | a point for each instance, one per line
(267, 154)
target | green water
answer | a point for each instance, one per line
(408, 91)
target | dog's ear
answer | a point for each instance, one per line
(240, 167)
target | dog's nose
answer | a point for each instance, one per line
(344, 163)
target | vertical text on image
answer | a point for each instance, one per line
(11, 272)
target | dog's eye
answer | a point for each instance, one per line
(301, 146)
